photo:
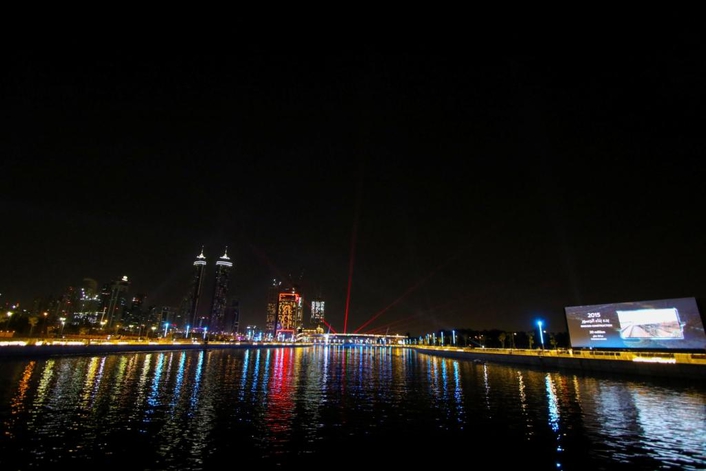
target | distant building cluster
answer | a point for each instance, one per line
(285, 314)
(112, 311)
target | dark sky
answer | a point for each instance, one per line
(466, 188)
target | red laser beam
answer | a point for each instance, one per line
(406, 293)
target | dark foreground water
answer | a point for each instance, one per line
(332, 407)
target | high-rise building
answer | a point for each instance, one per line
(67, 305)
(88, 309)
(289, 314)
(194, 295)
(271, 314)
(90, 287)
(233, 316)
(159, 316)
(117, 301)
(220, 293)
(317, 312)
(134, 314)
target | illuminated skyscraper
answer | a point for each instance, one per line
(317, 312)
(233, 316)
(134, 314)
(89, 302)
(271, 315)
(220, 292)
(117, 301)
(160, 315)
(289, 314)
(194, 295)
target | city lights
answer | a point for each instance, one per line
(541, 334)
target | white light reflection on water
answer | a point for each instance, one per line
(458, 393)
(643, 421)
(524, 406)
(554, 415)
(486, 386)
(672, 424)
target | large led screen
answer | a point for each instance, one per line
(661, 324)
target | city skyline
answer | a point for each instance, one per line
(196, 310)
(414, 190)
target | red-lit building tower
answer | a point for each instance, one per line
(290, 314)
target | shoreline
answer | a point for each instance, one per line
(43, 348)
(687, 366)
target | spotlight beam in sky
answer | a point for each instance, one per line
(354, 234)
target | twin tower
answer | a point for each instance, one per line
(216, 320)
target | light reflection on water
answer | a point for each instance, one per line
(334, 406)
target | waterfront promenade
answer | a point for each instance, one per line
(49, 347)
(685, 365)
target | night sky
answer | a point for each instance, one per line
(412, 189)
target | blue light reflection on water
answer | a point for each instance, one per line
(554, 416)
(314, 405)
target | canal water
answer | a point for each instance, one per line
(330, 407)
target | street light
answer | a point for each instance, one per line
(9, 318)
(63, 322)
(541, 336)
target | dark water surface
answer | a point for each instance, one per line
(331, 407)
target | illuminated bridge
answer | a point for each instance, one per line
(353, 339)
